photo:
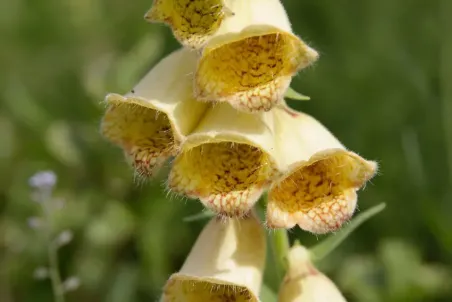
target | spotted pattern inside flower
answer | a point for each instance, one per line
(228, 178)
(201, 291)
(192, 21)
(319, 195)
(253, 73)
(144, 134)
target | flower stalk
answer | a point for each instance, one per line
(281, 247)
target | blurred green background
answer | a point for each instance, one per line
(383, 85)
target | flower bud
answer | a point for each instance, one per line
(225, 264)
(318, 188)
(227, 161)
(151, 121)
(304, 283)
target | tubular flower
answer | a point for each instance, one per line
(252, 58)
(193, 22)
(151, 121)
(227, 161)
(225, 264)
(318, 188)
(304, 283)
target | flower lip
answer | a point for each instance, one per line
(207, 290)
(319, 195)
(251, 69)
(228, 177)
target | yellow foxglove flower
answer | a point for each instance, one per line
(318, 189)
(252, 58)
(151, 121)
(304, 283)
(193, 22)
(225, 264)
(227, 161)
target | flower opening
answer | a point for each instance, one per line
(252, 69)
(227, 161)
(227, 177)
(144, 134)
(193, 22)
(203, 291)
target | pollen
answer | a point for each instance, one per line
(201, 291)
(228, 178)
(193, 21)
(253, 73)
(144, 134)
(321, 195)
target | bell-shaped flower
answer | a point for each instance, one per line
(192, 22)
(150, 122)
(318, 189)
(225, 264)
(304, 283)
(227, 161)
(252, 58)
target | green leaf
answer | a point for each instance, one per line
(325, 247)
(200, 216)
(294, 95)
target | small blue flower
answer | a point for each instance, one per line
(43, 179)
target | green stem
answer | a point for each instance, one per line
(54, 273)
(445, 82)
(52, 249)
(281, 247)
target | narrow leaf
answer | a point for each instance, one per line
(294, 95)
(200, 216)
(325, 247)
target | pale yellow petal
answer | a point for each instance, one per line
(318, 189)
(150, 122)
(226, 262)
(304, 283)
(227, 161)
